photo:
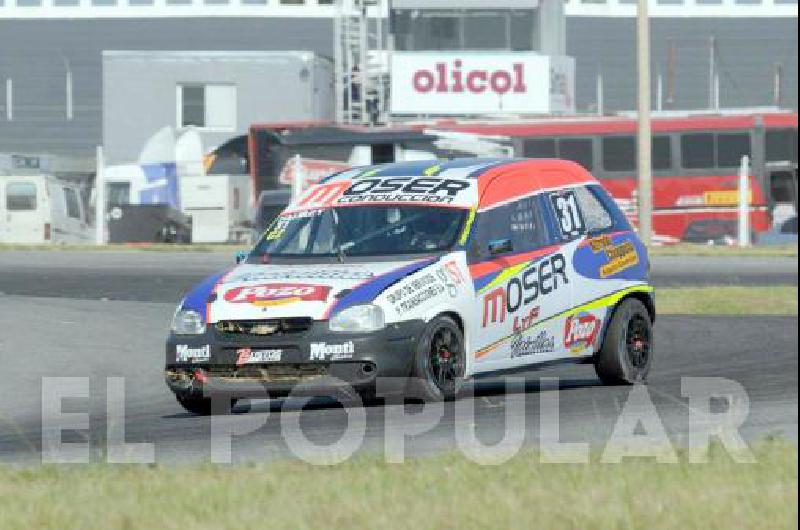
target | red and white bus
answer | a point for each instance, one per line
(696, 158)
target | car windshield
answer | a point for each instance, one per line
(362, 231)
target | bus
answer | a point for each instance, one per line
(695, 160)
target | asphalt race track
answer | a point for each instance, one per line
(105, 315)
(165, 276)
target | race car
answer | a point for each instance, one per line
(427, 272)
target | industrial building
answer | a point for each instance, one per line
(62, 91)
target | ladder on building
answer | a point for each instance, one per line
(361, 72)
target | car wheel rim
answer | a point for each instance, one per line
(446, 358)
(637, 341)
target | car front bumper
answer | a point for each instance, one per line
(341, 361)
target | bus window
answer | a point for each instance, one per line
(782, 146)
(697, 151)
(619, 153)
(20, 196)
(731, 148)
(662, 153)
(578, 150)
(539, 149)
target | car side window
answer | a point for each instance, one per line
(569, 217)
(595, 215)
(519, 222)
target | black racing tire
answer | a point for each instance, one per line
(201, 406)
(627, 352)
(439, 361)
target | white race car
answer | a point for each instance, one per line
(434, 272)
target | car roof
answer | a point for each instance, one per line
(521, 176)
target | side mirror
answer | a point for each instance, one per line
(241, 257)
(500, 246)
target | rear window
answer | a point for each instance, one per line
(20, 196)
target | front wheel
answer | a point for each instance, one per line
(440, 361)
(627, 351)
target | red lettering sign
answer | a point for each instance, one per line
(455, 80)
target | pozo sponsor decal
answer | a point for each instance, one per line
(185, 353)
(522, 345)
(539, 279)
(620, 257)
(249, 356)
(580, 331)
(322, 351)
(277, 294)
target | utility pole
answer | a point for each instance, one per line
(645, 188)
(712, 72)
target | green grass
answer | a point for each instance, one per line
(687, 249)
(438, 492)
(727, 300)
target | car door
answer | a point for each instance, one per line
(522, 286)
(23, 220)
(74, 226)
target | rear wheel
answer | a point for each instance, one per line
(440, 361)
(627, 351)
(206, 406)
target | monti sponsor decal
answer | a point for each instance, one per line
(184, 353)
(322, 351)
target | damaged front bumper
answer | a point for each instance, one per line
(313, 362)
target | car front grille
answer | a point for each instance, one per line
(276, 327)
(269, 374)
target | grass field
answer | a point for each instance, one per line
(687, 249)
(438, 492)
(727, 300)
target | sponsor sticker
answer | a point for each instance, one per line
(300, 273)
(322, 351)
(277, 294)
(417, 291)
(520, 292)
(620, 257)
(185, 353)
(249, 356)
(580, 331)
(522, 345)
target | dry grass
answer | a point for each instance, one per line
(439, 492)
(727, 300)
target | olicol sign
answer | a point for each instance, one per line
(470, 83)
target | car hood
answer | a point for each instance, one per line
(253, 292)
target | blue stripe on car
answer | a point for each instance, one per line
(198, 297)
(367, 292)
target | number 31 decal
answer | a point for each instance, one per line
(569, 215)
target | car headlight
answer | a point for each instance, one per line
(358, 319)
(188, 322)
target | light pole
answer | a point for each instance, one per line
(645, 188)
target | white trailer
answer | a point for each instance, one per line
(38, 209)
(220, 207)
